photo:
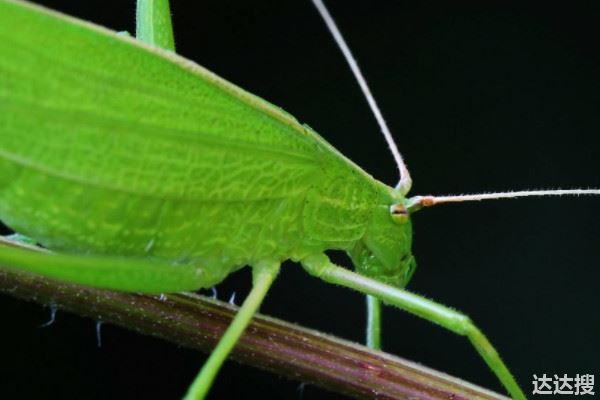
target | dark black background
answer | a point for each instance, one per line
(480, 98)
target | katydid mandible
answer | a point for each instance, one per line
(184, 142)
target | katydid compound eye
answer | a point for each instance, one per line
(399, 213)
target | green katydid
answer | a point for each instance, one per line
(346, 210)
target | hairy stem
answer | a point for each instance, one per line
(198, 322)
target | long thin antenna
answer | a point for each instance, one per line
(418, 202)
(405, 180)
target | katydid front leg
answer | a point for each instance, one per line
(373, 333)
(321, 267)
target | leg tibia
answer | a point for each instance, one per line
(373, 322)
(263, 276)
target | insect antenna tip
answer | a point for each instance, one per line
(417, 202)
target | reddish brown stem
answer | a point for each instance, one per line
(197, 322)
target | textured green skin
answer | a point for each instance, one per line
(111, 147)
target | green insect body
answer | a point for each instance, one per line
(145, 172)
(166, 141)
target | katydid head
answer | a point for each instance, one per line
(384, 252)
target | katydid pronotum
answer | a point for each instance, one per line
(57, 239)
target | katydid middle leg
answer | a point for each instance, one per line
(154, 26)
(321, 267)
(263, 276)
(148, 276)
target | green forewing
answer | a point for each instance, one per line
(108, 145)
(171, 128)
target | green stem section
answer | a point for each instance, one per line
(263, 278)
(373, 323)
(153, 23)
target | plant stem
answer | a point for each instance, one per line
(198, 322)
